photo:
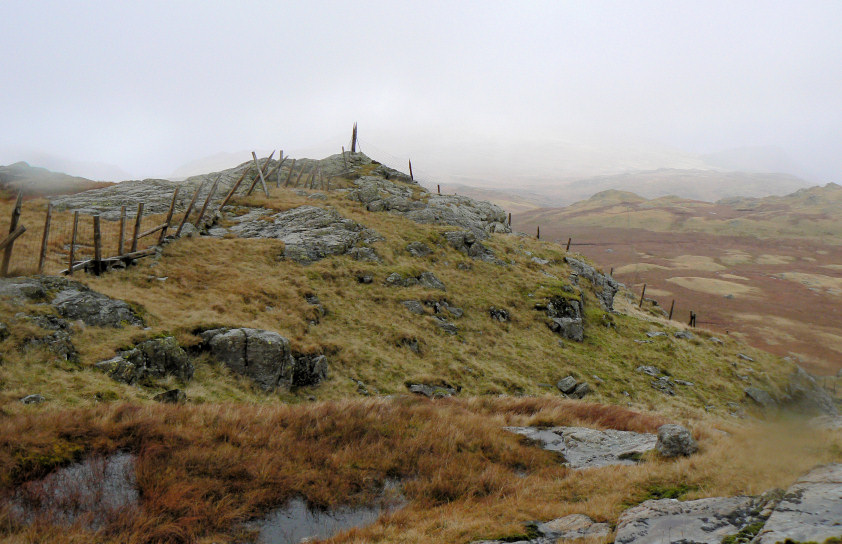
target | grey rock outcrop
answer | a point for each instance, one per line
(35, 398)
(71, 299)
(466, 242)
(675, 440)
(565, 317)
(446, 325)
(425, 279)
(480, 218)
(761, 397)
(810, 511)
(586, 448)
(703, 521)
(499, 314)
(807, 396)
(414, 306)
(418, 249)
(566, 385)
(433, 390)
(309, 233)
(150, 359)
(605, 287)
(265, 357)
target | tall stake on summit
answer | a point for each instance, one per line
(354, 139)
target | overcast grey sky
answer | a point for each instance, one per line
(151, 85)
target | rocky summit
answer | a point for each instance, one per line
(347, 346)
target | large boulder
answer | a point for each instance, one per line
(565, 317)
(466, 242)
(605, 287)
(675, 440)
(265, 357)
(149, 360)
(807, 396)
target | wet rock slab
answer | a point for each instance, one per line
(586, 448)
(93, 493)
(570, 527)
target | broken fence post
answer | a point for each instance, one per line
(568, 244)
(207, 202)
(289, 176)
(45, 239)
(260, 174)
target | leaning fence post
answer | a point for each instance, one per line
(289, 176)
(642, 294)
(97, 247)
(207, 201)
(73, 243)
(538, 232)
(410, 170)
(260, 173)
(345, 162)
(234, 188)
(45, 239)
(568, 244)
(169, 217)
(7, 253)
(137, 221)
(672, 307)
(189, 209)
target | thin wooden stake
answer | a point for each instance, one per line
(568, 244)
(7, 253)
(278, 179)
(73, 242)
(257, 178)
(612, 272)
(300, 173)
(345, 162)
(207, 201)
(289, 176)
(260, 173)
(45, 239)
(137, 220)
(97, 247)
(187, 213)
(672, 307)
(642, 294)
(510, 219)
(354, 139)
(234, 188)
(410, 171)
(538, 232)
(122, 241)
(438, 189)
(169, 217)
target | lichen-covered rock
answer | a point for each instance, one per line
(675, 440)
(35, 398)
(810, 510)
(703, 521)
(263, 356)
(567, 385)
(308, 370)
(425, 279)
(414, 306)
(565, 317)
(761, 397)
(445, 325)
(149, 360)
(418, 249)
(605, 287)
(433, 390)
(466, 242)
(570, 328)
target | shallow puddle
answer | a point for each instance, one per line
(296, 522)
(92, 492)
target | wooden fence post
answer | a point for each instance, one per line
(260, 174)
(7, 253)
(73, 243)
(300, 173)
(234, 188)
(169, 218)
(345, 162)
(291, 168)
(510, 219)
(642, 294)
(45, 239)
(259, 178)
(187, 213)
(137, 221)
(207, 201)
(410, 171)
(278, 178)
(568, 244)
(122, 241)
(97, 247)
(612, 272)
(672, 307)
(354, 139)
(538, 232)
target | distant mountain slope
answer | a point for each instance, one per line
(40, 181)
(810, 212)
